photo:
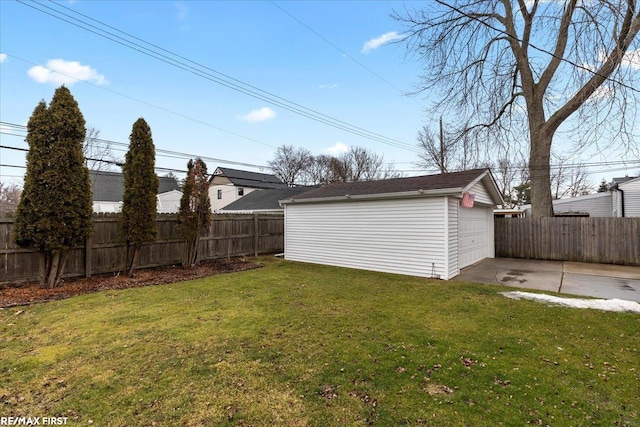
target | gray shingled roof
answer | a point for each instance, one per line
(109, 186)
(264, 199)
(242, 178)
(453, 180)
(622, 180)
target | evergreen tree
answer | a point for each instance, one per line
(55, 209)
(195, 210)
(604, 187)
(140, 193)
(523, 193)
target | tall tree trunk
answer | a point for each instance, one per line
(190, 258)
(132, 259)
(44, 267)
(55, 267)
(540, 175)
(64, 254)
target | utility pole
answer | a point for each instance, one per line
(443, 169)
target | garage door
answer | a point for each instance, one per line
(473, 235)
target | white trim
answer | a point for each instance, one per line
(445, 231)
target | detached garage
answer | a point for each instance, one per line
(429, 226)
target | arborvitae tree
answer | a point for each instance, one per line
(140, 193)
(55, 209)
(195, 210)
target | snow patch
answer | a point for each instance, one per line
(598, 304)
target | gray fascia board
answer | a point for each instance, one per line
(378, 196)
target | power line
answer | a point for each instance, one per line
(378, 76)
(210, 73)
(624, 165)
(166, 110)
(164, 153)
(528, 43)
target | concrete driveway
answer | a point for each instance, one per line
(594, 280)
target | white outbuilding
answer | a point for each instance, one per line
(428, 226)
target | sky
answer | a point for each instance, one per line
(319, 55)
(336, 61)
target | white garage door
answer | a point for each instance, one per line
(473, 235)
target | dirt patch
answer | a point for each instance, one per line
(15, 294)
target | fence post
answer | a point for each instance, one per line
(256, 234)
(88, 258)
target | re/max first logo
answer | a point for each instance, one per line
(33, 421)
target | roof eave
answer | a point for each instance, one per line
(378, 196)
(490, 184)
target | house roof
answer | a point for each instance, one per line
(243, 178)
(109, 186)
(264, 200)
(629, 181)
(616, 181)
(446, 183)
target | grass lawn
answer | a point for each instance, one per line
(295, 344)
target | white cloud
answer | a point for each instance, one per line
(259, 115)
(3, 57)
(182, 11)
(379, 41)
(338, 148)
(602, 92)
(329, 86)
(59, 71)
(632, 59)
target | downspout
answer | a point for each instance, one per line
(621, 201)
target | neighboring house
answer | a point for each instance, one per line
(169, 201)
(228, 185)
(263, 200)
(626, 192)
(596, 205)
(108, 189)
(622, 200)
(416, 226)
(508, 213)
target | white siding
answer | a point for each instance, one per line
(597, 205)
(169, 202)
(631, 197)
(394, 236)
(107, 207)
(453, 206)
(481, 194)
(229, 194)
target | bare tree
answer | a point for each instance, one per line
(319, 170)
(522, 69)
(361, 164)
(9, 197)
(435, 152)
(290, 162)
(446, 151)
(97, 152)
(508, 172)
(569, 180)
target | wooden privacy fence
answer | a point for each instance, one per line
(597, 240)
(105, 250)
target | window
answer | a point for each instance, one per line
(219, 194)
(240, 191)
